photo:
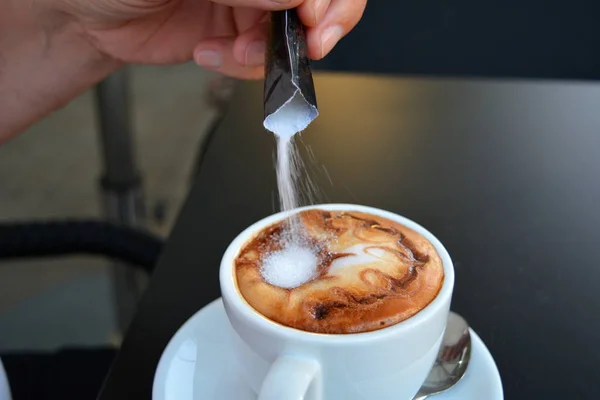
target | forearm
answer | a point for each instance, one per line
(44, 63)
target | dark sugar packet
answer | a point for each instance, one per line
(290, 102)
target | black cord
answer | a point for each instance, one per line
(60, 238)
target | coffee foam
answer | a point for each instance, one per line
(367, 273)
(358, 255)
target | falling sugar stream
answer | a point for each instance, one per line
(288, 169)
(287, 173)
(295, 182)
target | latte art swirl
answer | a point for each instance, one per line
(371, 273)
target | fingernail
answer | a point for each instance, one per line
(255, 53)
(329, 38)
(208, 58)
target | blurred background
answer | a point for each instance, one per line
(54, 170)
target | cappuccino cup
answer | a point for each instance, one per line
(285, 360)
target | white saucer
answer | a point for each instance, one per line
(197, 364)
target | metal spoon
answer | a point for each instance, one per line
(452, 359)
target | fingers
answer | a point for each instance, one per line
(250, 47)
(217, 55)
(243, 57)
(339, 19)
(311, 12)
(246, 18)
(261, 4)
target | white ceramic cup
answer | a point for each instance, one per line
(283, 363)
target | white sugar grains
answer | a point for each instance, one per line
(290, 267)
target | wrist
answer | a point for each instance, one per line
(45, 61)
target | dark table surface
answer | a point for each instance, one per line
(506, 174)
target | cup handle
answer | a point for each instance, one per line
(292, 378)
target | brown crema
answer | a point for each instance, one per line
(372, 273)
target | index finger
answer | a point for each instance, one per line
(340, 18)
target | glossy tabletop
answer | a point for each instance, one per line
(505, 173)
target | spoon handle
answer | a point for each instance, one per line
(420, 397)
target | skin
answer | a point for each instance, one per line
(52, 50)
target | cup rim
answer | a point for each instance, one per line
(250, 315)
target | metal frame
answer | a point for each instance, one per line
(121, 182)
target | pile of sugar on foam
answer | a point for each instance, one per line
(290, 267)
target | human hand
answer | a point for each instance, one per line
(228, 36)
(52, 50)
